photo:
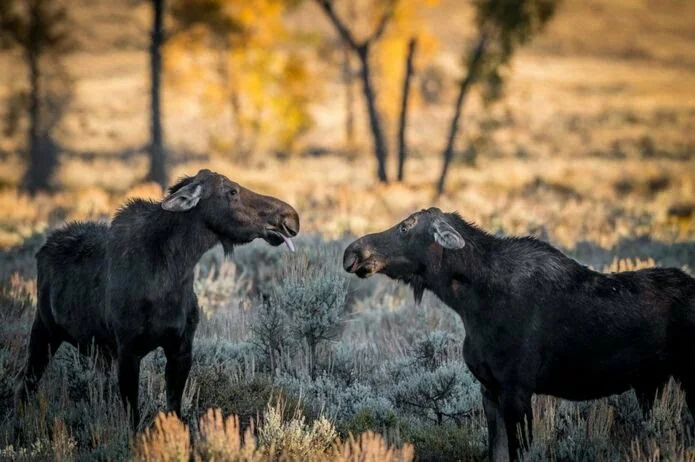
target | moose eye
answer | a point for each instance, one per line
(233, 192)
(406, 225)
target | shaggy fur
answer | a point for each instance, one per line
(539, 322)
(128, 288)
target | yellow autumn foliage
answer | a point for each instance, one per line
(408, 23)
(250, 75)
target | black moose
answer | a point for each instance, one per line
(128, 288)
(537, 321)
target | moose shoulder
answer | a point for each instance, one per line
(128, 288)
(537, 321)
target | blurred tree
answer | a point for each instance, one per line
(409, 22)
(380, 65)
(503, 26)
(348, 77)
(362, 49)
(158, 171)
(402, 148)
(39, 28)
(258, 79)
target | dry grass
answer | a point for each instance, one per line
(168, 440)
(566, 201)
(221, 439)
(591, 432)
(595, 139)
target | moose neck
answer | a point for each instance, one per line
(187, 241)
(490, 265)
(470, 269)
(169, 243)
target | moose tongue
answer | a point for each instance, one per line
(288, 241)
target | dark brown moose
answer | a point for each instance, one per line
(537, 321)
(128, 288)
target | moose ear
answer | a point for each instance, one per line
(445, 235)
(183, 199)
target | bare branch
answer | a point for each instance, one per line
(361, 49)
(327, 6)
(409, 69)
(383, 22)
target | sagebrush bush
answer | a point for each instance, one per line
(349, 362)
(432, 382)
(294, 437)
(380, 364)
(219, 358)
(271, 333)
(590, 430)
(305, 309)
(16, 308)
(446, 392)
(448, 441)
(339, 402)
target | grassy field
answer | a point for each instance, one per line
(592, 149)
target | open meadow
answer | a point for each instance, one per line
(591, 148)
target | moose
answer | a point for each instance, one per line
(538, 321)
(127, 289)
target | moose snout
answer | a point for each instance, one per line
(349, 261)
(290, 222)
(354, 255)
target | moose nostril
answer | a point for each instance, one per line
(349, 261)
(291, 224)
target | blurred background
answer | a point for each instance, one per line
(570, 120)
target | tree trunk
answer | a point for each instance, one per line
(349, 97)
(347, 80)
(402, 149)
(448, 152)
(42, 158)
(380, 149)
(362, 51)
(157, 171)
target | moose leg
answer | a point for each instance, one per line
(128, 382)
(690, 399)
(496, 430)
(518, 419)
(688, 385)
(101, 355)
(179, 360)
(42, 343)
(646, 393)
(103, 362)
